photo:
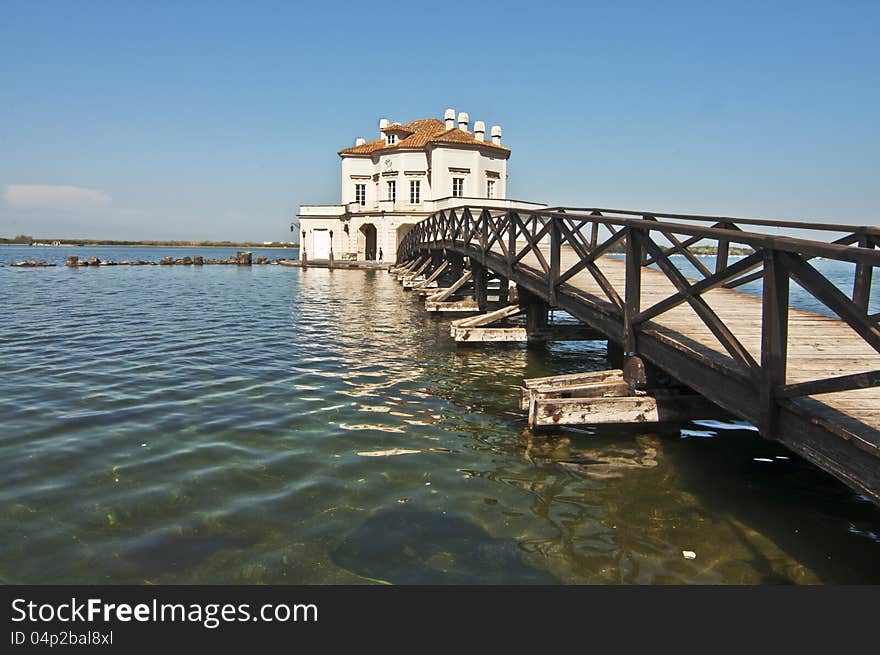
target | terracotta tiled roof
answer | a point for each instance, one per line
(422, 132)
(396, 127)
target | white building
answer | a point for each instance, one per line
(409, 172)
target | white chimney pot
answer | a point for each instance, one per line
(360, 141)
(449, 118)
(496, 135)
(480, 131)
(463, 121)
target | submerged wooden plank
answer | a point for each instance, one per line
(570, 379)
(489, 334)
(455, 306)
(629, 409)
(589, 390)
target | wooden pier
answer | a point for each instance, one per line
(686, 339)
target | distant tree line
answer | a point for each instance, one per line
(23, 239)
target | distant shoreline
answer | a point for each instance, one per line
(134, 244)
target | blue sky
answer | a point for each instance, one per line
(201, 120)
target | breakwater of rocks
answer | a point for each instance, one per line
(241, 258)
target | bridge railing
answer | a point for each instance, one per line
(530, 243)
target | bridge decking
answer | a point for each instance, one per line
(819, 346)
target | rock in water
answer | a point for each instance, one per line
(73, 261)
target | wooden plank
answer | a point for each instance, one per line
(573, 379)
(489, 334)
(446, 293)
(418, 271)
(452, 306)
(590, 390)
(432, 277)
(490, 317)
(629, 409)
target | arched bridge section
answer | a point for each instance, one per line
(709, 300)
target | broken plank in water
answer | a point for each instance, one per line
(587, 377)
(432, 277)
(444, 294)
(621, 409)
(455, 306)
(417, 281)
(489, 334)
(595, 390)
(417, 272)
(409, 266)
(426, 291)
(490, 317)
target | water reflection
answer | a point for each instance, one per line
(177, 425)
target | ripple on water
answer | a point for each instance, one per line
(274, 425)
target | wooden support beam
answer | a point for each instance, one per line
(481, 279)
(418, 271)
(565, 332)
(774, 340)
(444, 294)
(456, 265)
(409, 266)
(431, 279)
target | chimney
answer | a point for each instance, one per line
(383, 123)
(496, 135)
(449, 117)
(463, 121)
(360, 141)
(480, 131)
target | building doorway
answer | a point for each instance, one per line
(320, 244)
(367, 241)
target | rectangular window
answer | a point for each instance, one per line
(360, 194)
(415, 192)
(392, 190)
(390, 139)
(490, 188)
(457, 187)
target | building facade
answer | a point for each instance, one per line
(393, 182)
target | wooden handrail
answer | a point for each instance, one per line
(508, 236)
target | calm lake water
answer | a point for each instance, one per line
(215, 425)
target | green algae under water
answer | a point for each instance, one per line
(213, 425)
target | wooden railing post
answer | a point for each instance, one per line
(555, 257)
(723, 253)
(634, 369)
(774, 340)
(484, 235)
(511, 243)
(594, 232)
(862, 280)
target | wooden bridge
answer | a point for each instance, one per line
(809, 380)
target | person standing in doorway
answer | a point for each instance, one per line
(380, 254)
